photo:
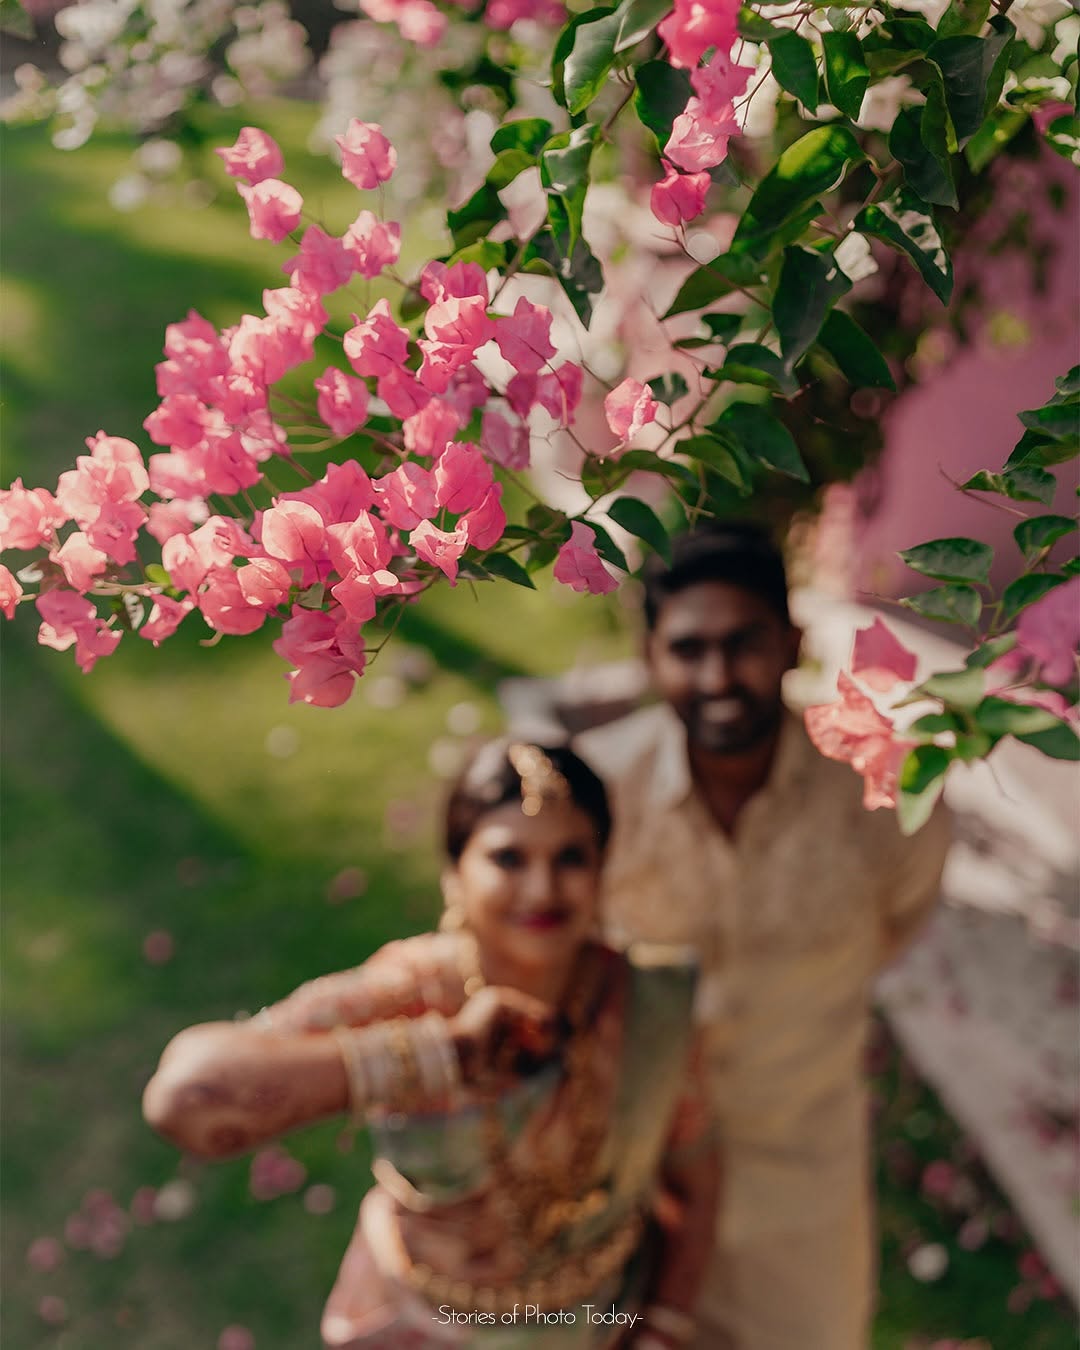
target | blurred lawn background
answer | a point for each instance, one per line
(176, 793)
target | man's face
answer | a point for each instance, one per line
(718, 655)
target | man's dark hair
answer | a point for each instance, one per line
(737, 552)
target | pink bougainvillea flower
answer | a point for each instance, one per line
(360, 545)
(273, 207)
(179, 421)
(376, 345)
(880, 660)
(323, 264)
(70, 619)
(367, 157)
(579, 565)
(503, 14)
(44, 1255)
(236, 1337)
(372, 244)
(1009, 677)
(467, 391)
(164, 618)
(455, 329)
(1045, 113)
(28, 516)
(328, 653)
(10, 592)
(679, 197)
(505, 442)
(407, 495)
(158, 948)
(80, 560)
(254, 156)
(115, 529)
(429, 431)
(441, 548)
(1049, 633)
(629, 407)
(418, 21)
(699, 137)
(402, 392)
(461, 476)
(558, 391)
(696, 25)
(294, 533)
(342, 402)
(112, 472)
(524, 337)
(463, 280)
(341, 493)
(265, 583)
(224, 605)
(854, 732)
(485, 524)
(719, 83)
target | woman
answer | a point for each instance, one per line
(544, 1174)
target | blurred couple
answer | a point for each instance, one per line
(617, 1101)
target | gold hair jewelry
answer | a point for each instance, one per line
(540, 780)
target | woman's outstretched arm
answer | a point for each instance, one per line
(225, 1087)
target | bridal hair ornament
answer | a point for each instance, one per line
(540, 780)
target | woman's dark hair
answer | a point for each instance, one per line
(737, 552)
(490, 780)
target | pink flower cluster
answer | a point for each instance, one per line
(419, 21)
(701, 132)
(853, 730)
(321, 557)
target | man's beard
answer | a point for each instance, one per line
(756, 723)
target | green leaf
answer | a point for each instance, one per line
(994, 134)
(762, 437)
(503, 565)
(1060, 421)
(637, 19)
(722, 328)
(921, 780)
(1063, 136)
(648, 461)
(928, 173)
(963, 16)
(1069, 383)
(1037, 450)
(973, 71)
(935, 724)
(564, 160)
(961, 689)
(15, 20)
(661, 95)
(846, 72)
(607, 547)
(1026, 590)
(814, 164)
(507, 166)
(754, 27)
(642, 521)
(1023, 483)
(989, 652)
(810, 284)
(1072, 567)
(1036, 534)
(668, 388)
(949, 604)
(951, 559)
(721, 277)
(486, 252)
(577, 270)
(527, 133)
(905, 223)
(911, 33)
(751, 363)
(794, 67)
(1059, 742)
(586, 68)
(475, 219)
(1002, 717)
(716, 453)
(855, 352)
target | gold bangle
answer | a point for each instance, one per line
(407, 1088)
(358, 1086)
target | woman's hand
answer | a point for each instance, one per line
(502, 1033)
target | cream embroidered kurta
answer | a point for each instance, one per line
(792, 917)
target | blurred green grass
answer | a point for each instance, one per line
(176, 790)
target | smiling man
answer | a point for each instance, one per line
(734, 836)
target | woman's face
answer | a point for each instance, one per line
(528, 885)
